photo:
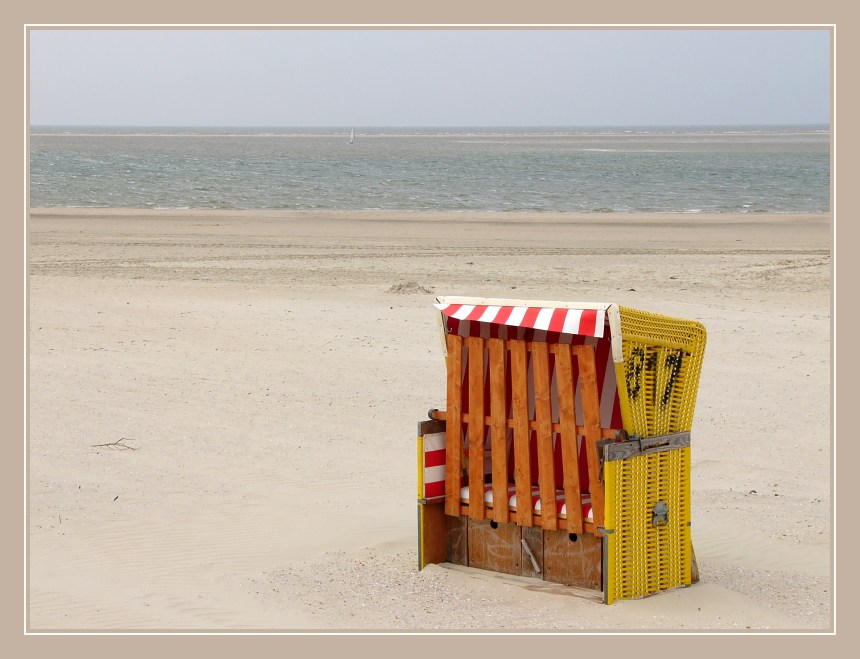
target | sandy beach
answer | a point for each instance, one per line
(222, 411)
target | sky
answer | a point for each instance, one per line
(445, 77)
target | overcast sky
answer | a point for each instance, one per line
(371, 78)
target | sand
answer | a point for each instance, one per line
(260, 376)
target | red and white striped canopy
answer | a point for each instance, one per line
(585, 322)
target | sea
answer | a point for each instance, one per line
(702, 169)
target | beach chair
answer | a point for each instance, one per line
(564, 449)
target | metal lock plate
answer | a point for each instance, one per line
(660, 514)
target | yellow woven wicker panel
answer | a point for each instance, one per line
(643, 559)
(659, 378)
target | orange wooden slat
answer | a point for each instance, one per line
(543, 418)
(520, 416)
(591, 419)
(453, 426)
(475, 345)
(498, 429)
(567, 421)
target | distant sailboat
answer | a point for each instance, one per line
(352, 136)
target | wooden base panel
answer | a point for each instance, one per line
(494, 546)
(556, 556)
(456, 540)
(432, 524)
(573, 559)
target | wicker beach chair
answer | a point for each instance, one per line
(564, 449)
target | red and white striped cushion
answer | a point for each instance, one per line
(561, 504)
(488, 493)
(434, 465)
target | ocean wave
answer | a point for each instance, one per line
(403, 174)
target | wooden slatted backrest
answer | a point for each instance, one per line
(498, 367)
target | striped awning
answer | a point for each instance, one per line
(586, 322)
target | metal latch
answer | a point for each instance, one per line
(531, 555)
(660, 514)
